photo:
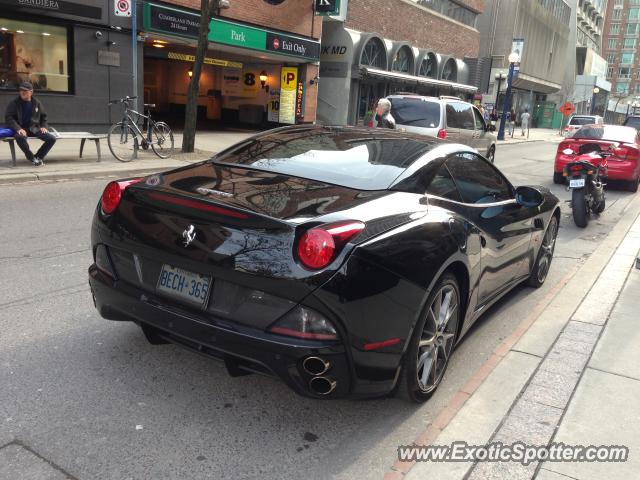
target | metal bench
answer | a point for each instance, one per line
(82, 136)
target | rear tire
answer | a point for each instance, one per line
(162, 140)
(432, 342)
(632, 185)
(558, 178)
(579, 207)
(545, 255)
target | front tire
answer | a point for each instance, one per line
(432, 342)
(579, 207)
(545, 255)
(162, 140)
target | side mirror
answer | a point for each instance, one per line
(529, 197)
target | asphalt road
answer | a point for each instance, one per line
(94, 400)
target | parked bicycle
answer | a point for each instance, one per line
(127, 137)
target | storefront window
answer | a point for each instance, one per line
(33, 52)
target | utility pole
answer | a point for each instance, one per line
(134, 47)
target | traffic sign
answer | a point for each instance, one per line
(122, 8)
(567, 109)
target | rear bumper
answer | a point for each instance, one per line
(243, 349)
(616, 170)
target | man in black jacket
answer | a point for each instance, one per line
(27, 118)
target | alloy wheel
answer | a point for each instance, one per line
(437, 339)
(547, 248)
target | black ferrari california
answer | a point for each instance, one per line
(345, 261)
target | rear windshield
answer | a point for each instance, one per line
(608, 132)
(582, 120)
(365, 161)
(415, 112)
(632, 122)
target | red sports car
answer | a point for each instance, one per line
(622, 142)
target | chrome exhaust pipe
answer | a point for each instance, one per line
(322, 385)
(315, 365)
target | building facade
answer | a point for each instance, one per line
(77, 54)
(372, 48)
(621, 37)
(261, 66)
(543, 27)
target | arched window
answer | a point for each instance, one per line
(429, 66)
(403, 62)
(374, 54)
(450, 71)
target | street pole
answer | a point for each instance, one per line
(498, 92)
(507, 102)
(134, 46)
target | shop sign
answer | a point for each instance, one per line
(240, 83)
(273, 107)
(229, 33)
(106, 57)
(58, 6)
(300, 100)
(327, 7)
(288, 89)
(158, 18)
(237, 35)
(191, 58)
(250, 83)
(232, 83)
(289, 45)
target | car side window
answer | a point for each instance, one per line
(477, 180)
(442, 185)
(459, 116)
(480, 125)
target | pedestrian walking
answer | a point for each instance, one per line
(493, 120)
(26, 116)
(383, 117)
(524, 121)
(512, 122)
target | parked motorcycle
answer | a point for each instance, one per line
(585, 182)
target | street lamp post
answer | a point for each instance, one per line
(513, 59)
(500, 76)
(628, 105)
(596, 90)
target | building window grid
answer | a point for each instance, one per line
(614, 29)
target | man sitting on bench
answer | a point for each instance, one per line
(27, 118)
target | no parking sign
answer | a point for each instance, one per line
(122, 8)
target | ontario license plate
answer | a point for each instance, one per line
(183, 284)
(576, 183)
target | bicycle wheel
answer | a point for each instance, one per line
(162, 140)
(123, 142)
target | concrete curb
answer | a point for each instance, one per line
(588, 275)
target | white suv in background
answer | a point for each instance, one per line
(443, 117)
(577, 121)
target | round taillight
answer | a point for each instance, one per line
(316, 248)
(442, 133)
(111, 197)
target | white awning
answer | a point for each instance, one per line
(374, 72)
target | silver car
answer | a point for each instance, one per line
(444, 117)
(577, 121)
